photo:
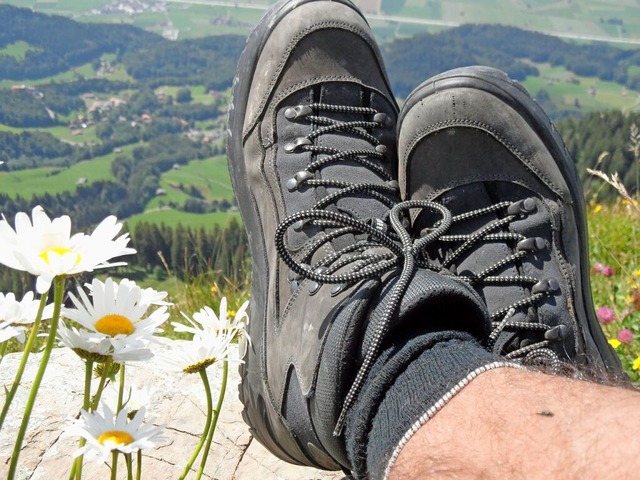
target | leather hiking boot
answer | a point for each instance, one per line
(474, 141)
(312, 157)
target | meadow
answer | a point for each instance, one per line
(52, 180)
(579, 93)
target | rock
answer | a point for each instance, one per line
(180, 408)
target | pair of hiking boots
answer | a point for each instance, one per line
(461, 211)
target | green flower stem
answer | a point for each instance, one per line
(106, 367)
(23, 362)
(114, 467)
(76, 470)
(196, 452)
(58, 292)
(114, 464)
(214, 421)
(3, 349)
(120, 389)
(139, 465)
(129, 462)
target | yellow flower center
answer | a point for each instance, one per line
(115, 436)
(60, 251)
(201, 365)
(114, 324)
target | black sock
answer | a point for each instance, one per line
(409, 382)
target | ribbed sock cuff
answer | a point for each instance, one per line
(407, 380)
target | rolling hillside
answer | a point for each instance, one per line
(115, 119)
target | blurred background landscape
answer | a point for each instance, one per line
(119, 107)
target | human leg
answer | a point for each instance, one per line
(519, 424)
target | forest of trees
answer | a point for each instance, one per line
(208, 61)
(190, 252)
(594, 134)
(31, 147)
(59, 44)
(162, 250)
(414, 59)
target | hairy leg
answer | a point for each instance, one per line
(510, 423)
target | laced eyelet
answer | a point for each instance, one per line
(381, 149)
(293, 113)
(295, 146)
(291, 276)
(549, 285)
(314, 286)
(298, 178)
(557, 333)
(533, 244)
(522, 207)
(382, 119)
(299, 225)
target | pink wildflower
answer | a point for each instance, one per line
(605, 270)
(605, 315)
(625, 335)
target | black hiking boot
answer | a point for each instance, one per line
(474, 141)
(312, 156)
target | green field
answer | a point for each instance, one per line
(173, 218)
(583, 94)
(83, 71)
(17, 50)
(210, 176)
(53, 180)
(198, 93)
(85, 136)
(607, 19)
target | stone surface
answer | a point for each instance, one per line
(179, 406)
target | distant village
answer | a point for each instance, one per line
(129, 7)
(98, 106)
(137, 7)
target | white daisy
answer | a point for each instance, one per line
(16, 315)
(206, 322)
(120, 312)
(99, 347)
(88, 345)
(192, 356)
(105, 432)
(148, 296)
(45, 247)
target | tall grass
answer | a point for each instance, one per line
(614, 231)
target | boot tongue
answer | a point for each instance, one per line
(432, 302)
(358, 205)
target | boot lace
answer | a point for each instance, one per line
(382, 244)
(496, 230)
